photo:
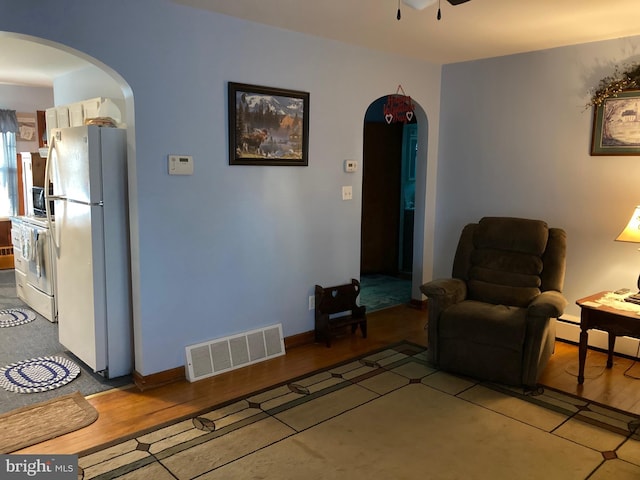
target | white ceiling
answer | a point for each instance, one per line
(473, 30)
(476, 29)
(24, 62)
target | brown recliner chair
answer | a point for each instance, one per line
(495, 319)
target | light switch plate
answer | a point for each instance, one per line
(180, 165)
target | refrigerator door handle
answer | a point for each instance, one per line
(81, 202)
(47, 197)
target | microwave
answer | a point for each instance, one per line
(39, 208)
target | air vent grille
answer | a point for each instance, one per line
(224, 354)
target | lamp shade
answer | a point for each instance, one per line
(631, 232)
(419, 4)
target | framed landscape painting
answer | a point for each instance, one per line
(268, 126)
(616, 125)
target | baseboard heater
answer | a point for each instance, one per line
(229, 353)
(568, 328)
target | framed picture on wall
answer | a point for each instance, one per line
(616, 125)
(268, 126)
(27, 127)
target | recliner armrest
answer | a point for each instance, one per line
(442, 294)
(453, 288)
(548, 304)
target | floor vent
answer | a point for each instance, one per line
(224, 354)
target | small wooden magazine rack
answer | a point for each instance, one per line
(336, 308)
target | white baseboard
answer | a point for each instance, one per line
(568, 328)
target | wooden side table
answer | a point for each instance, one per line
(604, 317)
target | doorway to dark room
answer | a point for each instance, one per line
(388, 205)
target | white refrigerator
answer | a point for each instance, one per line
(88, 168)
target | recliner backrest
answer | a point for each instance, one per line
(509, 261)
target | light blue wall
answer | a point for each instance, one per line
(232, 248)
(24, 98)
(514, 140)
(85, 83)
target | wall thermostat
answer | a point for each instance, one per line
(180, 165)
(350, 166)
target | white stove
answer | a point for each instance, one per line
(34, 264)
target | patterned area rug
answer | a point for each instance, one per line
(12, 317)
(386, 415)
(38, 374)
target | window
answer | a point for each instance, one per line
(8, 175)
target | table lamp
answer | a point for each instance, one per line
(631, 232)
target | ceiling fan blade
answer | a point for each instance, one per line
(457, 2)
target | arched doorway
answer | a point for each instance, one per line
(83, 79)
(388, 208)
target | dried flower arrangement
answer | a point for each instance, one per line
(612, 85)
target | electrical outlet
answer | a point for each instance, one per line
(350, 166)
(347, 192)
(312, 302)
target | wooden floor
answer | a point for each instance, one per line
(127, 411)
(618, 387)
(123, 412)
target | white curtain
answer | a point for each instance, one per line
(8, 163)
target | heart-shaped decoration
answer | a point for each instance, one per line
(389, 118)
(409, 115)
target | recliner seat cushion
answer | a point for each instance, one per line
(476, 337)
(485, 323)
(502, 294)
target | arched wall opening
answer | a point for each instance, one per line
(394, 197)
(89, 80)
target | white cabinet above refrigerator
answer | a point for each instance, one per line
(76, 114)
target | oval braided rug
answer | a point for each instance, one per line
(38, 374)
(11, 317)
